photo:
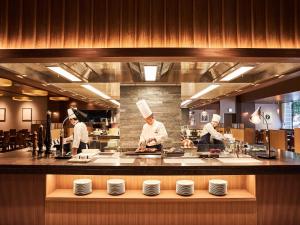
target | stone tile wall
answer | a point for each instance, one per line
(164, 102)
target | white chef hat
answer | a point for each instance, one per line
(216, 118)
(144, 108)
(71, 114)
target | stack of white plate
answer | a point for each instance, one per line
(82, 186)
(217, 187)
(151, 187)
(115, 186)
(185, 187)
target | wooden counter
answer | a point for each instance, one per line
(265, 194)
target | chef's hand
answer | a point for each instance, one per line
(74, 151)
(151, 139)
(64, 141)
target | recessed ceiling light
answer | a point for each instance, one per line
(5, 82)
(95, 91)
(59, 98)
(35, 92)
(150, 73)
(20, 76)
(22, 99)
(236, 73)
(115, 102)
(64, 73)
(205, 91)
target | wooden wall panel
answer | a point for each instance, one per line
(186, 23)
(128, 26)
(172, 27)
(201, 23)
(287, 26)
(43, 25)
(150, 213)
(278, 199)
(100, 15)
(230, 24)
(28, 20)
(57, 23)
(157, 21)
(215, 24)
(272, 23)
(149, 23)
(244, 23)
(259, 23)
(71, 30)
(3, 23)
(22, 199)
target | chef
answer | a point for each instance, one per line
(154, 132)
(209, 136)
(80, 136)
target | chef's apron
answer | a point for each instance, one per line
(204, 143)
(158, 147)
(81, 146)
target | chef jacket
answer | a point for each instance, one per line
(208, 128)
(80, 135)
(157, 130)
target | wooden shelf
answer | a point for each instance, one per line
(199, 195)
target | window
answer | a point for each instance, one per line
(287, 115)
(296, 114)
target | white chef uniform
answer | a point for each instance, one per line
(80, 135)
(157, 130)
(209, 129)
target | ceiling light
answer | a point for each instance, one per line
(186, 102)
(64, 73)
(205, 90)
(236, 73)
(95, 90)
(5, 82)
(22, 99)
(115, 102)
(150, 73)
(35, 93)
(59, 98)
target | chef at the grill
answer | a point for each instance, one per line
(80, 136)
(154, 132)
(209, 135)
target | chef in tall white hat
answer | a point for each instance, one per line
(80, 136)
(154, 132)
(209, 135)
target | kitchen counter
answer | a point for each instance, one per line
(40, 191)
(22, 162)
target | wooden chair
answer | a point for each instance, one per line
(5, 143)
(20, 141)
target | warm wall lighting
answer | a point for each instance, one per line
(59, 98)
(115, 102)
(22, 99)
(185, 103)
(236, 73)
(64, 73)
(35, 93)
(150, 73)
(95, 91)
(205, 91)
(5, 82)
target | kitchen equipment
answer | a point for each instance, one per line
(82, 186)
(151, 187)
(185, 187)
(115, 186)
(217, 187)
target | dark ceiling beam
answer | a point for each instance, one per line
(283, 87)
(149, 54)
